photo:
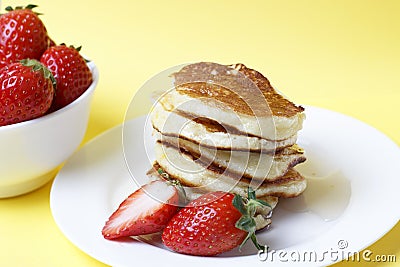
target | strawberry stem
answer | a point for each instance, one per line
(247, 207)
(73, 47)
(30, 7)
(37, 66)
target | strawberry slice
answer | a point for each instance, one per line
(147, 210)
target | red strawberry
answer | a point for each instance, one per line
(212, 224)
(71, 72)
(26, 91)
(51, 43)
(145, 211)
(22, 35)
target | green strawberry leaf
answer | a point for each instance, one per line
(37, 66)
(239, 205)
(251, 194)
(247, 207)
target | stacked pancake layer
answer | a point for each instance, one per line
(225, 128)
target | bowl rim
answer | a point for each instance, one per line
(95, 74)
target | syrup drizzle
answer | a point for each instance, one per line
(326, 196)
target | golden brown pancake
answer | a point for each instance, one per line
(240, 92)
(183, 167)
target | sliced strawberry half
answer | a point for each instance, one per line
(146, 211)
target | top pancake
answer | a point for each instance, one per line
(244, 90)
(238, 98)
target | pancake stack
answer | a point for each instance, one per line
(224, 127)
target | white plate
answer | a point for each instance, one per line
(95, 180)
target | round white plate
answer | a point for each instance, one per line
(95, 180)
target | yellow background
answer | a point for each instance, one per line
(342, 55)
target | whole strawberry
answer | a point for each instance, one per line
(71, 72)
(26, 91)
(212, 224)
(22, 35)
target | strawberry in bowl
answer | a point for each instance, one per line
(22, 35)
(27, 90)
(36, 133)
(71, 72)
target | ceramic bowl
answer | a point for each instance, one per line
(31, 151)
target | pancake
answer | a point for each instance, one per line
(210, 134)
(240, 99)
(183, 167)
(195, 192)
(237, 163)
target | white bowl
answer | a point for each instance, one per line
(31, 151)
